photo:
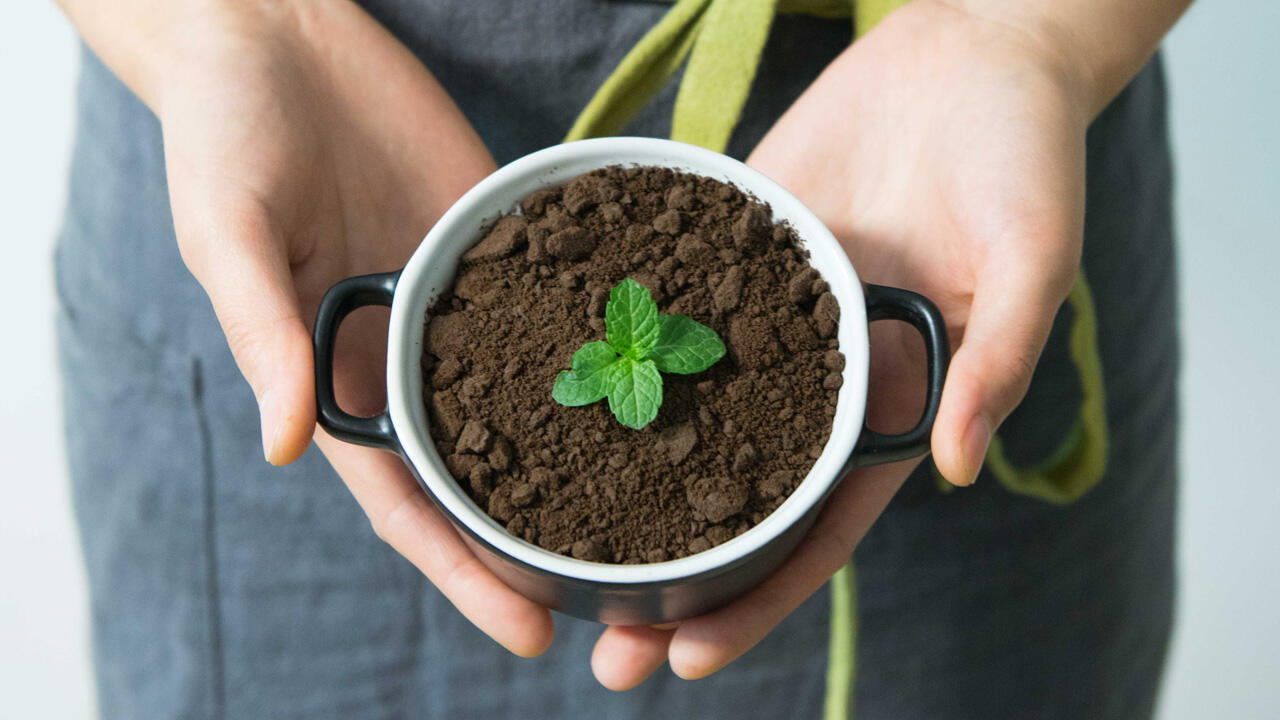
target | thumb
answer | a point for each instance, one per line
(245, 271)
(1009, 323)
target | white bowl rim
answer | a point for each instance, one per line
(554, 166)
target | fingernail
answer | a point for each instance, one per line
(270, 412)
(976, 439)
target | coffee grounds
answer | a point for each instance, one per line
(728, 445)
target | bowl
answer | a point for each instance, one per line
(619, 594)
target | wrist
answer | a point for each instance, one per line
(1096, 47)
(153, 44)
(1045, 44)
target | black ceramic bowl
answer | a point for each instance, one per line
(619, 594)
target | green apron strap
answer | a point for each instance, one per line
(642, 73)
(842, 643)
(720, 72)
(1081, 460)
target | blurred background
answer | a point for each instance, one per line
(1223, 61)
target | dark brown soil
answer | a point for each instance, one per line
(729, 444)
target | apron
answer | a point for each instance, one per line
(222, 587)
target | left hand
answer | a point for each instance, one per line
(946, 152)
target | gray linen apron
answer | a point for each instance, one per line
(222, 587)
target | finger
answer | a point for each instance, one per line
(405, 519)
(706, 644)
(624, 656)
(1009, 323)
(243, 266)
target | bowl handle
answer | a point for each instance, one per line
(342, 298)
(886, 303)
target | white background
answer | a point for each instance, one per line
(1223, 61)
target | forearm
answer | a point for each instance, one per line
(1103, 43)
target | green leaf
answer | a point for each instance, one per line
(685, 346)
(631, 319)
(635, 393)
(572, 391)
(592, 357)
(588, 381)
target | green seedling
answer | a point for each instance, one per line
(639, 344)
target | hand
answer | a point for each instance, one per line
(946, 152)
(304, 146)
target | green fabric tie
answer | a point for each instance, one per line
(715, 88)
(642, 73)
(723, 41)
(842, 645)
(1081, 458)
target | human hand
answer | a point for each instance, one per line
(303, 144)
(945, 151)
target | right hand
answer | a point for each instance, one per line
(304, 144)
